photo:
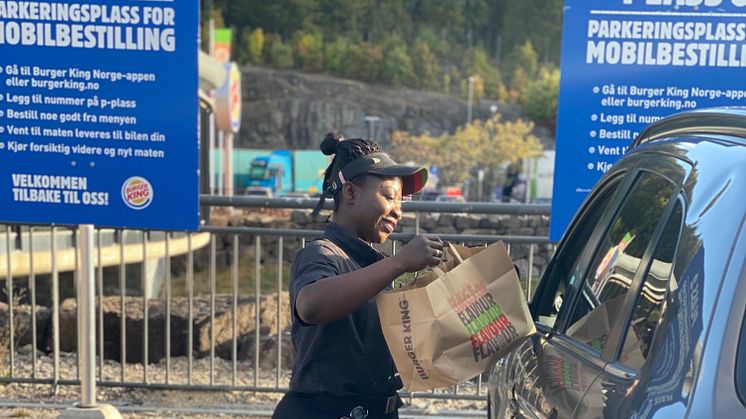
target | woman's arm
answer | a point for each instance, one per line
(332, 298)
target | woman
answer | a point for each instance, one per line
(343, 366)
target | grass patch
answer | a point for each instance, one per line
(224, 279)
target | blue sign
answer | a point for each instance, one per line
(98, 113)
(627, 64)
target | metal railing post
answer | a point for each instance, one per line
(55, 308)
(9, 284)
(211, 279)
(32, 288)
(86, 321)
(280, 258)
(234, 322)
(87, 334)
(257, 303)
(168, 307)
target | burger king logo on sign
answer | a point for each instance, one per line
(137, 193)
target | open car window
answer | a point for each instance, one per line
(652, 293)
(564, 271)
(616, 261)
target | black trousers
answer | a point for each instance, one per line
(302, 406)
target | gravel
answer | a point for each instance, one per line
(144, 402)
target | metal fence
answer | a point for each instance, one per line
(26, 261)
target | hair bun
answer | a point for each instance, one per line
(330, 143)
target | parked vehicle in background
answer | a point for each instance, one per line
(281, 171)
(428, 195)
(640, 313)
(259, 192)
(450, 198)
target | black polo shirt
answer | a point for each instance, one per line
(348, 357)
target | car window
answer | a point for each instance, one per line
(552, 291)
(617, 260)
(652, 294)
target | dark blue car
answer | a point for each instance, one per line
(641, 311)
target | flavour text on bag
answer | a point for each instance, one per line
(489, 328)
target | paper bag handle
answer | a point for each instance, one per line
(455, 252)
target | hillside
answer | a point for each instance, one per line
(288, 109)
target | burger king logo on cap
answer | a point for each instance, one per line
(137, 193)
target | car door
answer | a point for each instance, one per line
(636, 278)
(584, 293)
(519, 385)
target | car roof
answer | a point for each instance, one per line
(701, 137)
(730, 122)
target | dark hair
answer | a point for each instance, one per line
(344, 152)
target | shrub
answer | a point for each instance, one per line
(308, 50)
(280, 55)
(524, 61)
(364, 62)
(476, 62)
(396, 68)
(255, 45)
(335, 54)
(250, 46)
(425, 67)
(540, 98)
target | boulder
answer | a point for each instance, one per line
(446, 220)
(268, 351)
(466, 222)
(201, 325)
(22, 327)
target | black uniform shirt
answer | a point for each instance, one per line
(347, 357)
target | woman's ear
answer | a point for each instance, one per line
(349, 193)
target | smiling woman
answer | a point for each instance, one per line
(343, 363)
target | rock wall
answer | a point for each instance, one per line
(288, 109)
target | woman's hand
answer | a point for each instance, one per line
(332, 298)
(419, 253)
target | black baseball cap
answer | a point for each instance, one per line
(381, 164)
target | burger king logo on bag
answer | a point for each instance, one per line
(137, 193)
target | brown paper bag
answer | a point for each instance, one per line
(594, 327)
(455, 254)
(451, 326)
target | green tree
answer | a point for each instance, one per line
(279, 54)
(543, 17)
(524, 58)
(335, 54)
(491, 142)
(255, 45)
(476, 62)
(250, 46)
(396, 68)
(364, 62)
(425, 67)
(308, 50)
(540, 98)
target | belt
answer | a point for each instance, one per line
(374, 405)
